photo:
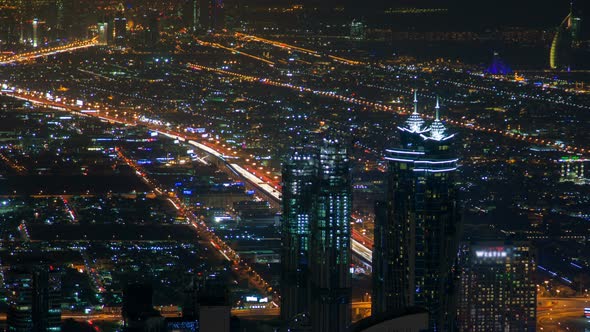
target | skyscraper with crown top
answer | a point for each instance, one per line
(416, 227)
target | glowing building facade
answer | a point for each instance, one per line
(34, 301)
(316, 277)
(497, 290)
(212, 14)
(416, 228)
(330, 245)
(120, 24)
(567, 36)
(299, 187)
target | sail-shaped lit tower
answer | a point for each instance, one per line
(416, 226)
(567, 36)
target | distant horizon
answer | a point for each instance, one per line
(538, 13)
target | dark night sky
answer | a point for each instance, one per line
(535, 13)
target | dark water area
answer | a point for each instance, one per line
(516, 57)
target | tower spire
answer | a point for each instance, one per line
(437, 108)
(415, 123)
(437, 129)
(415, 101)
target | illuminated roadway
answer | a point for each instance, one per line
(173, 311)
(357, 241)
(42, 52)
(567, 311)
(562, 314)
(296, 48)
(234, 51)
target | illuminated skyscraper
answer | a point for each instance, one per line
(103, 29)
(497, 291)
(574, 25)
(299, 188)
(566, 37)
(35, 39)
(120, 26)
(191, 14)
(34, 300)
(316, 237)
(212, 14)
(152, 33)
(357, 30)
(9, 26)
(330, 245)
(416, 227)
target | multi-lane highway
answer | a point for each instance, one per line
(562, 314)
(43, 52)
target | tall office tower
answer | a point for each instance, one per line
(497, 292)
(34, 300)
(103, 29)
(212, 14)
(9, 26)
(59, 18)
(575, 25)
(35, 39)
(316, 289)
(19, 315)
(120, 25)
(330, 240)
(299, 187)
(357, 30)
(53, 13)
(74, 17)
(152, 37)
(138, 311)
(191, 14)
(416, 228)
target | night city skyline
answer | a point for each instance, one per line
(309, 166)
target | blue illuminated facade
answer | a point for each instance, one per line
(498, 66)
